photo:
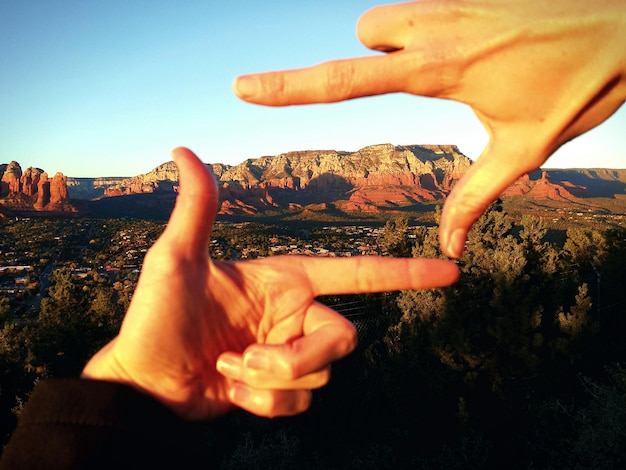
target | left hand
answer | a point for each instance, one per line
(202, 336)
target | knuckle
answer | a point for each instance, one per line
(290, 370)
(442, 69)
(273, 86)
(287, 403)
(339, 76)
(285, 365)
(472, 205)
(363, 275)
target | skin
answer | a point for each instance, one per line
(202, 336)
(536, 74)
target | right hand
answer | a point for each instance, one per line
(536, 73)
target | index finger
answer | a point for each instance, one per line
(328, 82)
(365, 274)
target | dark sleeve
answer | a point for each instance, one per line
(75, 423)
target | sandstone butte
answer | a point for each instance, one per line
(371, 179)
(33, 189)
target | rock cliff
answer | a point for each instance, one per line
(90, 188)
(33, 190)
(369, 180)
(162, 177)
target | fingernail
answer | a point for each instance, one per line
(256, 360)
(229, 366)
(457, 243)
(246, 87)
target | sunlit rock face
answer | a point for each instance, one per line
(30, 180)
(373, 178)
(10, 182)
(366, 180)
(33, 190)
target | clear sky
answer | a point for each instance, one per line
(109, 87)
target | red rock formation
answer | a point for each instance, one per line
(11, 179)
(33, 190)
(544, 189)
(58, 190)
(236, 207)
(522, 186)
(43, 192)
(30, 180)
(541, 188)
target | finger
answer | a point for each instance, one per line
(385, 27)
(196, 205)
(231, 366)
(288, 362)
(269, 403)
(328, 82)
(498, 168)
(326, 337)
(364, 274)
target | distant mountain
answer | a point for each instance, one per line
(585, 183)
(372, 180)
(90, 188)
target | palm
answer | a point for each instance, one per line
(228, 306)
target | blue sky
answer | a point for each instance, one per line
(109, 87)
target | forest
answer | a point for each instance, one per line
(520, 364)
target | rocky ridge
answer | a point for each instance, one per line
(368, 180)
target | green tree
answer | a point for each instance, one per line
(5, 310)
(62, 339)
(15, 382)
(502, 332)
(599, 440)
(104, 313)
(395, 238)
(585, 246)
(573, 322)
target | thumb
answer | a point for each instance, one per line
(192, 219)
(498, 167)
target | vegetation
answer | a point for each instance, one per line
(520, 364)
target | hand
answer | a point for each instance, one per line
(201, 335)
(536, 73)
